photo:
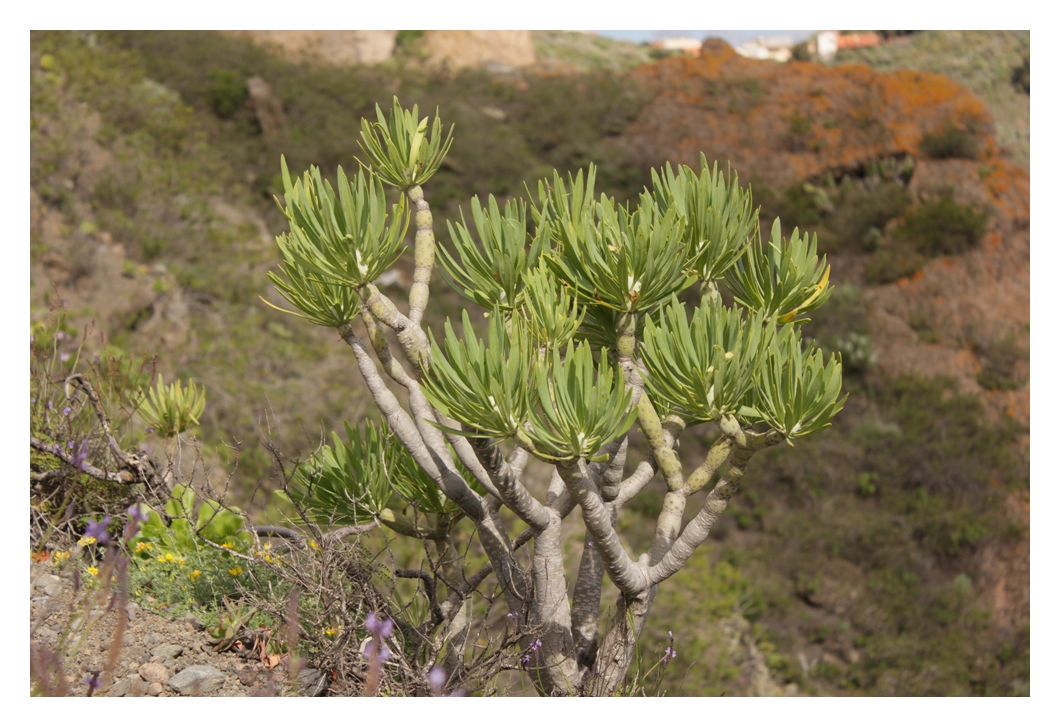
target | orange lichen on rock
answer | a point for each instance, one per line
(780, 124)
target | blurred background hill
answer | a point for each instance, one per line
(888, 556)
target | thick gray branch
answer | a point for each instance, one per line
(630, 577)
(556, 666)
(512, 492)
(635, 482)
(447, 479)
(699, 528)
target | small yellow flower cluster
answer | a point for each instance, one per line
(61, 556)
(314, 545)
(144, 545)
(195, 574)
(263, 554)
(332, 631)
(229, 544)
(93, 571)
(86, 541)
(235, 571)
(170, 558)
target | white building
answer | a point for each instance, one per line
(773, 49)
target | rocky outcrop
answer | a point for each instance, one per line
(454, 49)
(338, 47)
(491, 49)
(268, 109)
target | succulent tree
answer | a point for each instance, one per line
(590, 339)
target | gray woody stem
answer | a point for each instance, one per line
(668, 524)
(420, 407)
(699, 528)
(550, 617)
(512, 492)
(630, 577)
(447, 479)
(491, 530)
(585, 603)
(413, 340)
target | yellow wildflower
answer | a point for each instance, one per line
(169, 557)
(195, 574)
(86, 541)
(235, 571)
(61, 555)
(143, 545)
(228, 545)
(332, 631)
(314, 545)
(161, 559)
(93, 571)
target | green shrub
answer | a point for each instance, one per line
(949, 142)
(862, 213)
(887, 266)
(406, 38)
(1021, 76)
(943, 227)
(228, 92)
(997, 361)
(921, 323)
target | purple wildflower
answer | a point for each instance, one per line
(60, 336)
(436, 677)
(382, 629)
(669, 653)
(66, 411)
(137, 516)
(590, 543)
(64, 356)
(524, 659)
(48, 404)
(150, 430)
(137, 513)
(536, 645)
(98, 530)
(93, 681)
(78, 460)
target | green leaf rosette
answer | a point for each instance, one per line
(583, 405)
(783, 278)
(400, 148)
(703, 370)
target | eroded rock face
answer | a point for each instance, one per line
(491, 49)
(268, 109)
(338, 47)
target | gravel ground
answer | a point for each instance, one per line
(159, 657)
